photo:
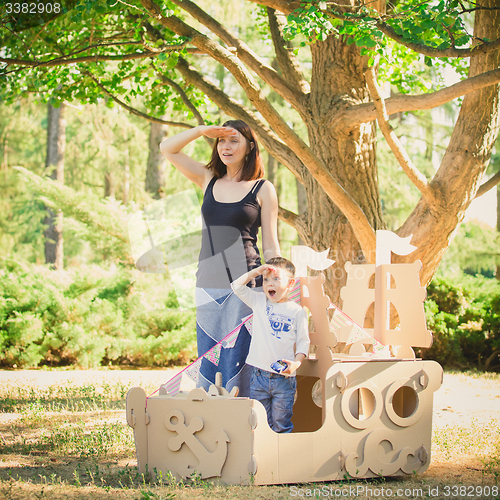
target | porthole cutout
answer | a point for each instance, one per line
(404, 401)
(362, 403)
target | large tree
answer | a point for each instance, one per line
(158, 49)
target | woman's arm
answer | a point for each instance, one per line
(269, 221)
(194, 170)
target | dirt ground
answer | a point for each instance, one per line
(463, 400)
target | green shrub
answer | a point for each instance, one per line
(90, 317)
(464, 319)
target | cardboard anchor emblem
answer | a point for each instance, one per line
(209, 463)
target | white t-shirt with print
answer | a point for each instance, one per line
(276, 328)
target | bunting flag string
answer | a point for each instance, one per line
(213, 355)
(231, 338)
(294, 293)
(173, 385)
(338, 320)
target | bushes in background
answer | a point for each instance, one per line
(90, 317)
(464, 318)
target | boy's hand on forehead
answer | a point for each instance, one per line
(269, 270)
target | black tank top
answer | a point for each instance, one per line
(229, 239)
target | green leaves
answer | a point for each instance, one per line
(104, 33)
(310, 22)
(438, 26)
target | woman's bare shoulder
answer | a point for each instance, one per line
(267, 192)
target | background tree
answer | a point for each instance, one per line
(54, 167)
(104, 49)
(157, 164)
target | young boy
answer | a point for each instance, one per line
(278, 325)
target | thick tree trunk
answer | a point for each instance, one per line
(54, 166)
(465, 160)
(337, 82)
(157, 164)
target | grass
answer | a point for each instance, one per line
(476, 439)
(71, 441)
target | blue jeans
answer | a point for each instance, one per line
(276, 392)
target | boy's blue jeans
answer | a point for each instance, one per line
(276, 392)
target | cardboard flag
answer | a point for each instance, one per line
(193, 370)
(213, 355)
(229, 341)
(389, 242)
(174, 384)
(294, 293)
(304, 257)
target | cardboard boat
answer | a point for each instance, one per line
(357, 414)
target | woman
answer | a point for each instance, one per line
(236, 202)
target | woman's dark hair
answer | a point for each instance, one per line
(253, 168)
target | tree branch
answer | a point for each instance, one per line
(287, 60)
(354, 116)
(296, 221)
(285, 6)
(425, 50)
(291, 93)
(133, 110)
(242, 75)
(489, 184)
(416, 177)
(186, 101)
(62, 61)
